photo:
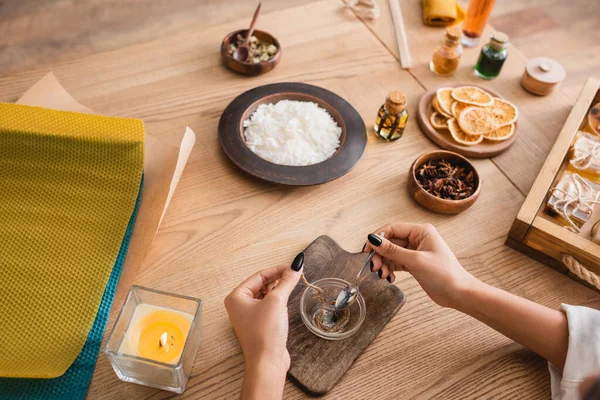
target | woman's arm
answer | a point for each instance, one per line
(539, 328)
(263, 380)
(258, 312)
(420, 250)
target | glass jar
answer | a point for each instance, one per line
(148, 372)
(492, 56)
(315, 308)
(445, 59)
(391, 117)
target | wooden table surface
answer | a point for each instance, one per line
(159, 61)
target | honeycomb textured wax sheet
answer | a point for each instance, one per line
(74, 383)
(68, 188)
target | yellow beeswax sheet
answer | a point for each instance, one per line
(442, 12)
(68, 187)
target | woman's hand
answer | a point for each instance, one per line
(420, 250)
(258, 312)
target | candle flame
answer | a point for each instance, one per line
(163, 340)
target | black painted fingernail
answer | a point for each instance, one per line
(298, 262)
(363, 249)
(372, 265)
(389, 278)
(380, 272)
(374, 240)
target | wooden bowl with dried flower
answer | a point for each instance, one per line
(444, 182)
(271, 51)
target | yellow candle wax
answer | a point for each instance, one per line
(156, 333)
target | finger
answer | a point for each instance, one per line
(392, 251)
(383, 272)
(412, 233)
(376, 261)
(272, 286)
(289, 279)
(392, 274)
(254, 284)
(399, 242)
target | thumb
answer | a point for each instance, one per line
(290, 278)
(387, 249)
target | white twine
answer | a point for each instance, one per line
(574, 201)
(585, 160)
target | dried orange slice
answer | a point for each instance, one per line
(438, 120)
(503, 133)
(504, 112)
(436, 106)
(458, 107)
(461, 136)
(445, 100)
(472, 95)
(476, 121)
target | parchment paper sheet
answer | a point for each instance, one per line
(163, 166)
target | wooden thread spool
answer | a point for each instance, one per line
(542, 76)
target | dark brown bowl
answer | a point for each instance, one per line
(247, 68)
(353, 140)
(436, 204)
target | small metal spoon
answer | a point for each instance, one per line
(242, 52)
(349, 294)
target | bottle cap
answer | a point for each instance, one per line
(499, 41)
(542, 75)
(453, 33)
(395, 103)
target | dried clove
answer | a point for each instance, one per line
(445, 180)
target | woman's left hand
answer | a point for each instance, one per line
(258, 312)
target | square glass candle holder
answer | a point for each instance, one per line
(144, 371)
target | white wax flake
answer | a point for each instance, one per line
(292, 133)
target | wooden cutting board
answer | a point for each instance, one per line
(317, 364)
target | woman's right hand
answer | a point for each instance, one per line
(420, 250)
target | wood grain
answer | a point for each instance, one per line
(318, 364)
(154, 60)
(536, 139)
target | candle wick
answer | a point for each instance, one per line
(163, 340)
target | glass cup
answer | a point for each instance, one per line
(143, 371)
(477, 17)
(310, 305)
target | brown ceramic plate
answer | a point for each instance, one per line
(444, 139)
(352, 142)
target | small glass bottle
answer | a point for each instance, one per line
(445, 59)
(477, 17)
(391, 117)
(492, 56)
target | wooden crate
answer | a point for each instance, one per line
(537, 234)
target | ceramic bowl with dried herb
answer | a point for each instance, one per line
(444, 182)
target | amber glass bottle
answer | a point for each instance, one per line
(445, 59)
(391, 117)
